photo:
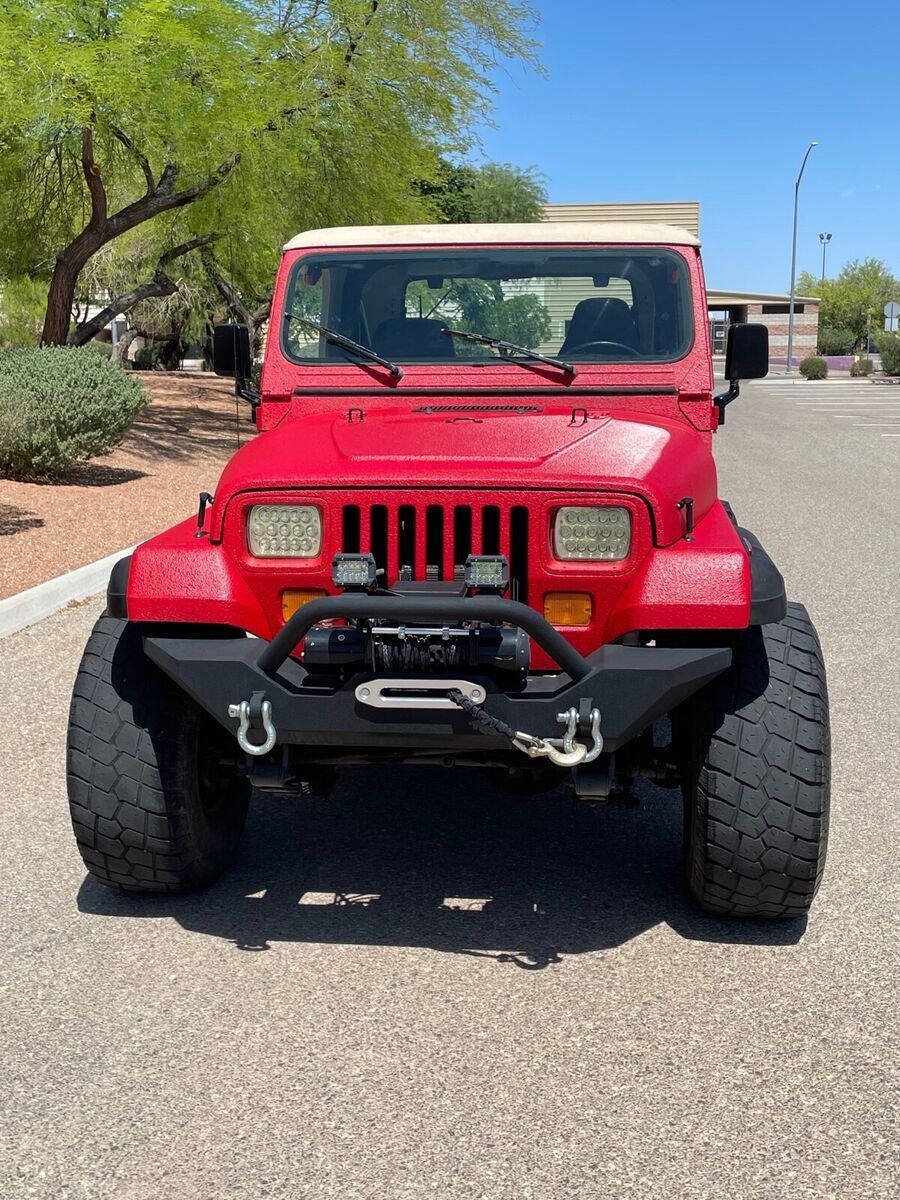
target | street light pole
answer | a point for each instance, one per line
(824, 238)
(790, 345)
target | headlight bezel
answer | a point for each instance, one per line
(620, 533)
(312, 530)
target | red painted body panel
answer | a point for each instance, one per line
(643, 450)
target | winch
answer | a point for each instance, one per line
(421, 649)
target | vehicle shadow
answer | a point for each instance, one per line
(423, 857)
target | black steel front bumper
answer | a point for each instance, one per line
(630, 685)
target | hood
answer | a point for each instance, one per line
(661, 459)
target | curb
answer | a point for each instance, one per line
(29, 607)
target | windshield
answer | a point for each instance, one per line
(617, 305)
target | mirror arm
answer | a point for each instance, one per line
(721, 402)
(243, 392)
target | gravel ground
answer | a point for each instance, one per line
(423, 988)
(175, 450)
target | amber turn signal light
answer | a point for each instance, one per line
(294, 598)
(568, 608)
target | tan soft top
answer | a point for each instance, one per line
(538, 233)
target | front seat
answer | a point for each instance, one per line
(600, 319)
(412, 337)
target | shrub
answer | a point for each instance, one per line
(836, 341)
(103, 348)
(889, 345)
(146, 358)
(862, 366)
(814, 368)
(23, 302)
(59, 406)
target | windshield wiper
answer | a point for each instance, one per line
(511, 348)
(348, 344)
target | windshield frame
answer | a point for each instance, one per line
(316, 257)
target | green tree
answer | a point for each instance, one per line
(464, 194)
(21, 311)
(855, 300)
(228, 115)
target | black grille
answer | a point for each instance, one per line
(433, 541)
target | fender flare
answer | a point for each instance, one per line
(768, 599)
(117, 589)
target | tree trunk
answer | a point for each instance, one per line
(120, 349)
(60, 301)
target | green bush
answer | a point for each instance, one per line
(836, 341)
(59, 406)
(814, 368)
(103, 348)
(862, 366)
(889, 346)
(146, 358)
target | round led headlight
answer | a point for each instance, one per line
(597, 534)
(284, 531)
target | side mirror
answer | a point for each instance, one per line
(747, 352)
(232, 356)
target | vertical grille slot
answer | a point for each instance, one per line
(490, 530)
(462, 536)
(350, 530)
(379, 536)
(406, 536)
(434, 541)
(518, 553)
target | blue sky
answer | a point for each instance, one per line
(715, 101)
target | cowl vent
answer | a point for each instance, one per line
(476, 408)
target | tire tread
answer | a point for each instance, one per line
(131, 773)
(758, 826)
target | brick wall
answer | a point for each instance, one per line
(806, 330)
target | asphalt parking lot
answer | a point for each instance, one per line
(421, 987)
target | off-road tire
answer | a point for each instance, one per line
(757, 793)
(155, 792)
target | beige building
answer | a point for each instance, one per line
(724, 307)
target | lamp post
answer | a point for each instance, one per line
(824, 238)
(790, 345)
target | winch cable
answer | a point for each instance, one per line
(563, 752)
(482, 721)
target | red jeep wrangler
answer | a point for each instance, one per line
(479, 525)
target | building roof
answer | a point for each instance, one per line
(546, 233)
(733, 299)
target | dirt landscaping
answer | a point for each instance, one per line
(175, 450)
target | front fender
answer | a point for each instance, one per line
(180, 577)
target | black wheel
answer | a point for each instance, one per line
(156, 795)
(757, 793)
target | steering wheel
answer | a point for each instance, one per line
(587, 348)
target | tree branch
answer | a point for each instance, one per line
(164, 198)
(226, 290)
(140, 158)
(160, 285)
(96, 190)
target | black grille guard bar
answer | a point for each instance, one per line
(423, 609)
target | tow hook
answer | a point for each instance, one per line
(256, 714)
(564, 751)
